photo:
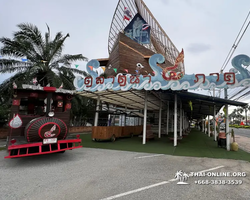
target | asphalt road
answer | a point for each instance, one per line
(94, 174)
(241, 132)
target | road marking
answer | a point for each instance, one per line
(149, 156)
(151, 186)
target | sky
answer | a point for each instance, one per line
(205, 29)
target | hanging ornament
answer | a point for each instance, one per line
(34, 81)
(14, 85)
(16, 122)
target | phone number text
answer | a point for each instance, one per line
(218, 182)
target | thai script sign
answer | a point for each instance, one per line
(165, 78)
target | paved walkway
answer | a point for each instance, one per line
(243, 142)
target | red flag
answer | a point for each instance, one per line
(127, 14)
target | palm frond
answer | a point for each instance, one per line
(31, 33)
(57, 45)
(71, 58)
(8, 66)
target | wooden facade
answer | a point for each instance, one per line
(127, 54)
(111, 132)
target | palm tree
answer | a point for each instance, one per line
(239, 115)
(233, 115)
(45, 60)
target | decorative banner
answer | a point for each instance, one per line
(24, 60)
(61, 86)
(115, 70)
(60, 65)
(16, 102)
(59, 104)
(16, 122)
(103, 68)
(91, 67)
(126, 70)
(76, 66)
(165, 78)
(138, 30)
(191, 105)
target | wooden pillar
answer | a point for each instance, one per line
(175, 120)
(97, 111)
(145, 117)
(160, 111)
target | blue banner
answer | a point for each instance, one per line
(138, 30)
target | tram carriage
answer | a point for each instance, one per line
(40, 122)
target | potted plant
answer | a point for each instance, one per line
(234, 145)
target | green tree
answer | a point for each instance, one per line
(45, 61)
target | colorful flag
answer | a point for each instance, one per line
(145, 27)
(115, 70)
(24, 60)
(76, 66)
(61, 86)
(103, 68)
(126, 70)
(60, 64)
(191, 105)
(127, 14)
(91, 67)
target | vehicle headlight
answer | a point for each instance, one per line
(51, 114)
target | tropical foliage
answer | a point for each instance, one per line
(237, 115)
(45, 62)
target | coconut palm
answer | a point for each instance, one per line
(45, 60)
(233, 115)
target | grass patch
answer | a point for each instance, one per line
(197, 144)
(2, 148)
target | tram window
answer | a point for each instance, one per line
(23, 108)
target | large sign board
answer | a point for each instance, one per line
(165, 78)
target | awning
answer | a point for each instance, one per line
(133, 99)
(202, 105)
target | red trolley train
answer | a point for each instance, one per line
(40, 122)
